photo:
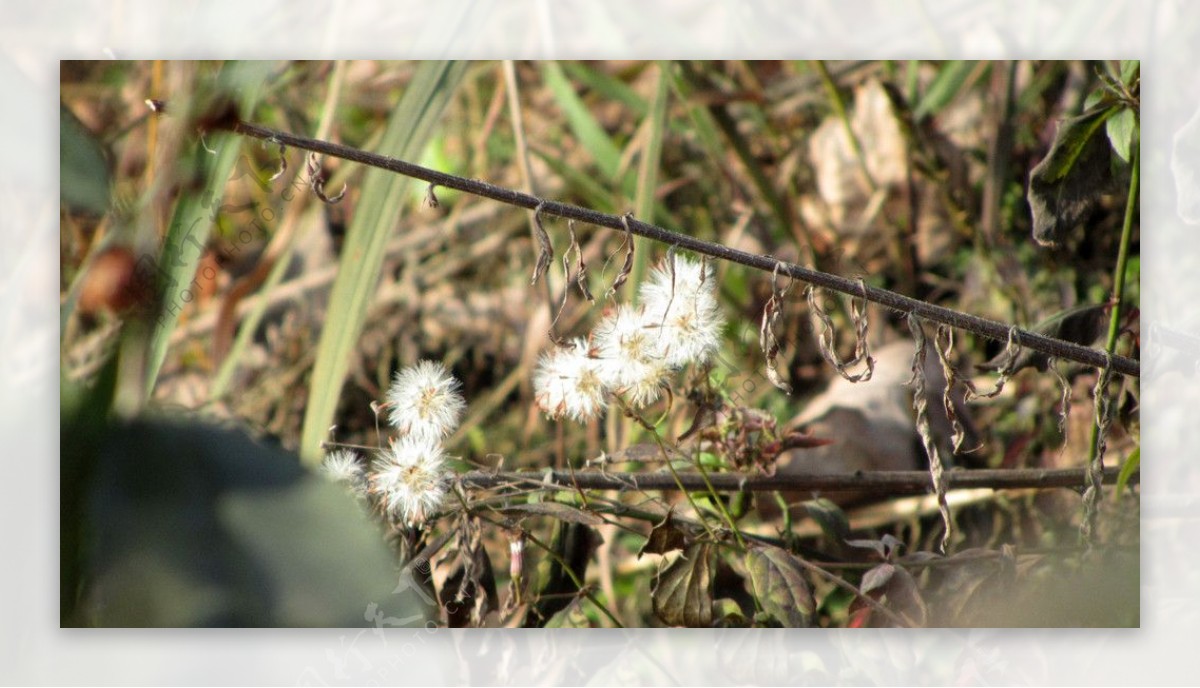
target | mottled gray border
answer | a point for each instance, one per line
(1163, 34)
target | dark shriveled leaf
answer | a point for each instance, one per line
(1066, 185)
(682, 594)
(830, 517)
(664, 537)
(778, 582)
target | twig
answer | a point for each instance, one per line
(898, 302)
(876, 482)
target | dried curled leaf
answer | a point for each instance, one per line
(943, 343)
(317, 181)
(777, 581)
(1095, 470)
(627, 267)
(1081, 325)
(825, 340)
(937, 472)
(767, 340)
(545, 249)
(580, 265)
(282, 164)
(682, 594)
(665, 537)
(1011, 356)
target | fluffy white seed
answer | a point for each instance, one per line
(425, 401)
(568, 383)
(632, 356)
(408, 478)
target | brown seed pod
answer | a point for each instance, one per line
(111, 283)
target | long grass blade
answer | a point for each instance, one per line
(195, 213)
(407, 134)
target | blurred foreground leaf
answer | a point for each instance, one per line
(188, 525)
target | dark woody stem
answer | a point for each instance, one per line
(1050, 346)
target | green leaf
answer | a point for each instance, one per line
(1130, 70)
(682, 594)
(195, 213)
(591, 135)
(194, 526)
(1121, 128)
(1068, 182)
(607, 86)
(777, 581)
(948, 82)
(407, 134)
(84, 177)
(1132, 463)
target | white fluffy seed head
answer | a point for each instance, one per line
(343, 466)
(408, 478)
(425, 401)
(568, 383)
(632, 356)
(682, 310)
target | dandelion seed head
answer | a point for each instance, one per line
(683, 310)
(343, 466)
(632, 356)
(407, 477)
(425, 401)
(568, 383)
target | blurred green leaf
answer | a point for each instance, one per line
(591, 135)
(375, 217)
(1121, 128)
(607, 86)
(193, 526)
(1132, 463)
(682, 594)
(572, 616)
(195, 213)
(1130, 70)
(945, 86)
(84, 177)
(777, 581)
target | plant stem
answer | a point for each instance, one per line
(904, 304)
(1118, 293)
(891, 483)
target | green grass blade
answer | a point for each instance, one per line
(195, 213)
(589, 132)
(250, 325)
(1132, 463)
(948, 82)
(648, 165)
(407, 134)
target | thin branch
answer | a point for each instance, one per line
(890, 483)
(898, 302)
